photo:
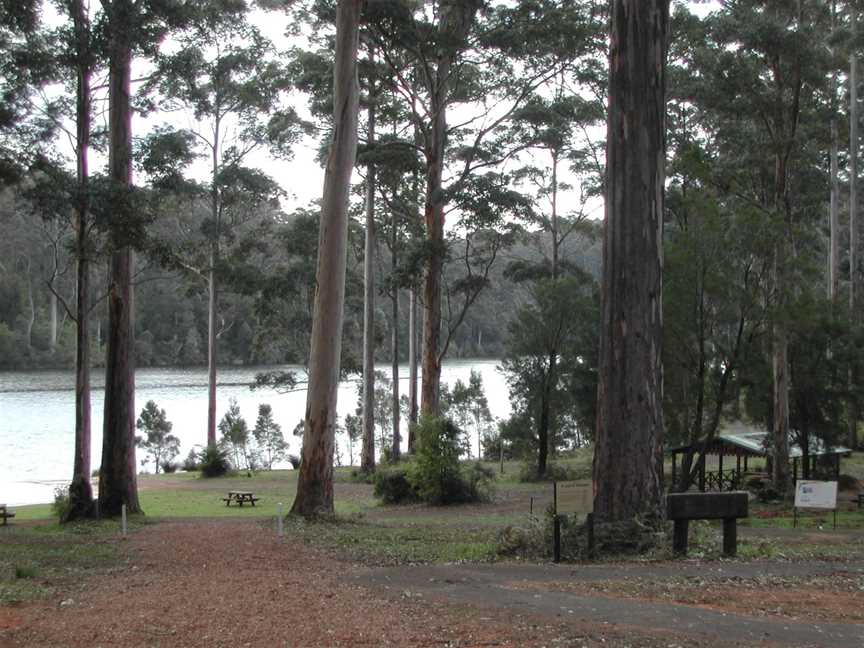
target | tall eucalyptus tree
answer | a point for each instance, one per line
(315, 482)
(225, 74)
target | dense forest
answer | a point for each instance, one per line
(480, 153)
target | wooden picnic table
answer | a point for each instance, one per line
(240, 498)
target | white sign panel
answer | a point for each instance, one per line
(816, 494)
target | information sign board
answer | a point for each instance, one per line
(816, 494)
(575, 496)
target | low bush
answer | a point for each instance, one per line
(169, 467)
(755, 484)
(361, 476)
(60, 505)
(294, 460)
(554, 472)
(192, 462)
(25, 572)
(214, 462)
(481, 482)
(769, 494)
(847, 482)
(392, 485)
(435, 473)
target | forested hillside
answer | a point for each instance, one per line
(266, 310)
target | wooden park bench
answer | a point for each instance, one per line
(683, 507)
(240, 498)
(5, 514)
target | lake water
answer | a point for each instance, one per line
(37, 424)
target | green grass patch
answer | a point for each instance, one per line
(381, 544)
(36, 561)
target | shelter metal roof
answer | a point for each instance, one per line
(755, 441)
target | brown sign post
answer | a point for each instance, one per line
(575, 496)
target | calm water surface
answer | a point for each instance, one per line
(37, 415)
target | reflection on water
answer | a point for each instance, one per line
(37, 415)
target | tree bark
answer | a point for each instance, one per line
(81, 503)
(31, 305)
(118, 483)
(412, 363)
(367, 453)
(834, 209)
(315, 482)
(456, 18)
(852, 430)
(628, 453)
(394, 342)
(212, 285)
(212, 300)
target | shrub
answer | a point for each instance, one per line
(435, 474)
(192, 462)
(554, 472)
(392, 486)
(294, 460)
(847, 482)
(60, 506)
(25, 572)
(531, 539)
(214, 462)
(362, 476)
(481, 482)
(755, 484)
(169, 467)
(769, 494)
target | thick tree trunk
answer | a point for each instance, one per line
(628, 451)
(456, 18)
(117, 482)
(81, 503)
(367, 453)
(315, 482)
(434, 218)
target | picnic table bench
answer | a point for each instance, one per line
(240, 498)
(5, 514)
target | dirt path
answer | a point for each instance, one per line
(230, 582)
(548, 590)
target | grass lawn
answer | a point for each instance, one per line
(37, 560)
